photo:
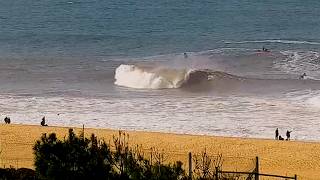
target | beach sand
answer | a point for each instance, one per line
(275, 157)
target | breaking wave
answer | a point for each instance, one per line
(143, 77)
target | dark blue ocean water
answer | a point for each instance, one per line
(130, 28)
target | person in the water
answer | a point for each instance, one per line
(185, 55)
(303, 76)
(265, 49)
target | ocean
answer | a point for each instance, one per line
(191, 67)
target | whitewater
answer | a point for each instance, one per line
(163, 77)
(139, 77)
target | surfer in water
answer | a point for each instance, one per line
(265, 49)
(303, 76)
(185, 55)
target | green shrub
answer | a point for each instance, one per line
(73, 158)
(82, 158)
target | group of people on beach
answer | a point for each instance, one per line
(279, 137)
(7, 120)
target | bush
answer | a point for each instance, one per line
(73, 158)
(17, 174)
(82, 158)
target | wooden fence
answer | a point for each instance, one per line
(253, 175)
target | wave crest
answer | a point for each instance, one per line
(149, 78)
(142, 77)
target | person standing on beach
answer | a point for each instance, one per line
(277, 134)
(288, 135)
(43, 122)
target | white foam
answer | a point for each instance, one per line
(173, 112)
(315, 101)
(299, 62)
(274, 41)
(149, 78)
(308, 98)
(312, 98)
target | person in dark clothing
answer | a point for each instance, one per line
(277, 134)
(265, 49)
(302, 76)
(43, 122)
(281, 138)
(288, 135)
(7, 120)
(185, 55)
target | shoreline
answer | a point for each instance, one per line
(168, 132)
(276, 157)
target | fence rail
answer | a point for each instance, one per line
(257, 174)
(254, 173)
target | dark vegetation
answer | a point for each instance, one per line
(17, 174)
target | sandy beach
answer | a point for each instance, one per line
(276, 157)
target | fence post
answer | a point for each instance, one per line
(256, 176)
(295, 177)
(190, 165)
(83, 131)
(217, 173)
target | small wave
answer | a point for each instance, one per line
(274, 41)
(142, 77)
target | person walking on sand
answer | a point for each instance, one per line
(43, 122)
(277, 134)
(288, 135)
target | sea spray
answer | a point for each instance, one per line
(149, 78)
